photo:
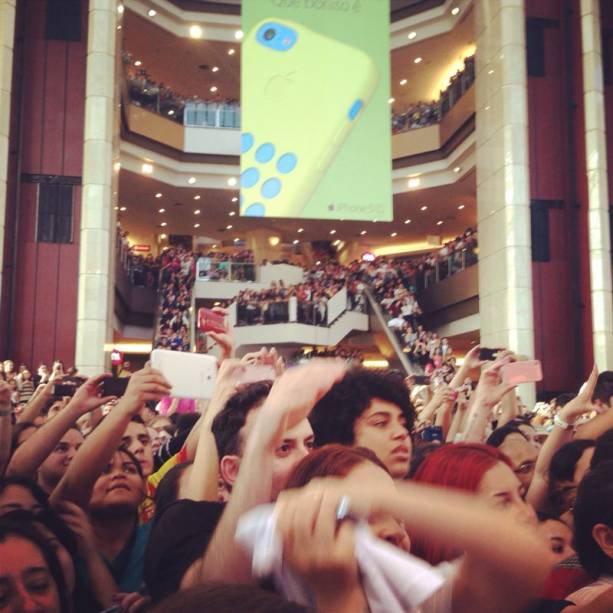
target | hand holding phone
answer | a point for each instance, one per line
(516, 373)
(210, 321)
(487, 354)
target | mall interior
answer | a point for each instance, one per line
(498, 124)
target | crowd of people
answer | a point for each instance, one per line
(218, 266)
(325, 487)
(420, 114)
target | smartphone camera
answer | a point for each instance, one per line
(269, 33)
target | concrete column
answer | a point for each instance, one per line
(7, 35)
(598, 201)
(503, 199)
(97, 215)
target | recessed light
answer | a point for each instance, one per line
(214, 246)
(403, 82)
(231, 213)
(332, 231)
(195, 31)
(461, 207)
(116, 208)
(439, 222)
(424, 208)
(238, 34)
(236, 240)
(407, 221)
(413, 183)
(163, 224)
(215, 69)
(337, 242)
(295, 241)
(119, 27)
(171, 112)
(138, 63)
(362, 232)
(162, 236)
(231, 51)
(417, 60)
(213, 89)
(491, 71)
(197, 212)
(152, 12)
(120, 9)
(162, 211)
(232, 181)
(191, 180)
(147, 168)
(229, 227)
(394, 234)
(455, 10)
(117, 166)
(196, 225)
(375, 220)
(158, 195)
(235, 199)
(457, 169)
(197, 197)
(412, 35)
(392, 100)
(300, 230)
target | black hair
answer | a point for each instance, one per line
(185, 422)
(564, 460)
(420, 452)
(594, 505)
(564, 399)
(603, 452)
(227, 425)
(10, 528)
(18, 428)
(604, 387)
(167, 491)
(498, 436)
(133, 458)
(137, 419)
(37, 492)
(334, 416)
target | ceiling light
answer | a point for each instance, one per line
(375, 220)
(195, 31)
(455, 10)
(235, 199)
(232, 181)
(417, 60)
(300, 230)
(337, 242)
(231, 213)
(116, 208)
(158, 195)
(407, 221)
(362, 232)
(214, 246)
(457, 169)
(236, 240)
(197, 212)
(413, 183)
(215, 69)
(231, 51)
(197, 197)
(162, 211)
(295, 241)
(191, 180)
(403, 82)
(439, 222)
(392, 100)
(162, 236)
(117, 166)
(273, 241)
(461, 207)
(412, 35)
(196, 225)
(424, 208)
(394, 234)
(213, 89)
(138, 63)
(238, 34)
(318, 263)
(120, 9)
(332, 231)
(163, 224)
(152, 12)
(229, 227)
(171, 112)
(146, 168)
(119, 27)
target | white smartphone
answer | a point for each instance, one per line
(192, 375)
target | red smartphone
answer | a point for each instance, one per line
(210, 321)
(528, 371)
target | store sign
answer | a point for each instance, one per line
(141, 248)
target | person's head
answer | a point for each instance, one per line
(169, 489)
(604, 389)
(593, 519)
(368, 409)
(566, 470)
(120, 488)
(137, 440)
(31, 575)
(231, 429)
(513, 443)
(9, 366)
(557, 535)
(355, 464)
(481, 469)
(20, 493)
(603, 450)
(26, 375)
(22, 431)
(57, 462)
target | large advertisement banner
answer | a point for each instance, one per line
(314, 104)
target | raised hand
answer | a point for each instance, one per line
(582, 402)
(224, 339)
(491, 388)
(88, 396)
(145, 385)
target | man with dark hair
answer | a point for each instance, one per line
(604, 389)
(368, 409)
(522, 453)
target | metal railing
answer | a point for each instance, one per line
(209, 270)
(445, 268)
(212, 115)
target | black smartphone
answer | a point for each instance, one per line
(488, 355)
(115, 386)
(432, 433)
(64, 389)
(421, 380)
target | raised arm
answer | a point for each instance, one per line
(42, 394)
(95, 453)
(471, 362)
(33, 452)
